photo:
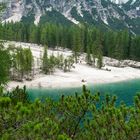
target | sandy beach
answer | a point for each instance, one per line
(75, 77)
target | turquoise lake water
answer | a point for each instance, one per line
(125, 91)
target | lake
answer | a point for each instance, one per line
(125, 91)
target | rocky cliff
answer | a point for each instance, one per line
(116, 14)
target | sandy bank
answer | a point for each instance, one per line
(74, 78)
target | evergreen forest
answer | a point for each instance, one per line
(83, 38)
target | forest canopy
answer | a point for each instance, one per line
(115, 44)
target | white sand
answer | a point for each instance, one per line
(74, 78)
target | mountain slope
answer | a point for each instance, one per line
(115, 14)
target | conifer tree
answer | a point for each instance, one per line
(65, 65)
(20, 63)
(5, 63)
(43, 36)
(45, 61)
(100, 60)
(94, 53)
(76, 45)
(88, 56)
(28, 61)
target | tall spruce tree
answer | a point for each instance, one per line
(5, 63)
(77, 46)
(88, 56)
(100, 60)
(28, 64)
(45, 61)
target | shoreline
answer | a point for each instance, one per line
(73, 79)
(78, 76)
(10, 87)
(80, 86)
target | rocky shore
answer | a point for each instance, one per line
(121, 64)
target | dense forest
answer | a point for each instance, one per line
(115, 44)
(76, 117)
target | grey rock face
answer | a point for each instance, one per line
(116, 14)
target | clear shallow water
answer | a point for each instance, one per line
(125, 91)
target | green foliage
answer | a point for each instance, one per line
(100, 61)
(135, 49)
(72, 117)
(54, 17)
(18, 95)
(15, 64)
(28, 62)
(120, 45)
(45, 61)
(88, 57)
(76, 44)
(68, 63)
(22, 63)
(50, 63)
(4, 102)
(5, 61)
